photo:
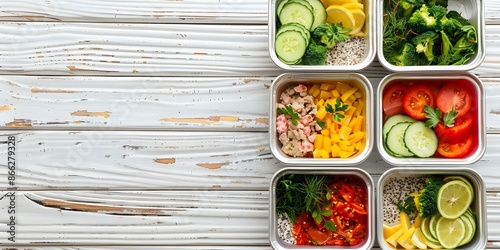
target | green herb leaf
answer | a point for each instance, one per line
(433, 116)
(337, 117)
(408, 206)
(288, 110)
(326, 213)
(449, 117)
(330, 225)
(329, 108)
(321, 124)
(339, 107)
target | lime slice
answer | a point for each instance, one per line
(432, 224)
(469, 230)
(454, 198)
(424, 227)
(450, 232)
(459, 178)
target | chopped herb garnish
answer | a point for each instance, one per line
(321, 124)
(288, 110)
(407, 206)
(433, 116)
(339, 107)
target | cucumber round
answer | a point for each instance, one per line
(393, 120)
(420, 140)
(290, 46)
(319, 13)
(395, 139)
(280, 6)
(297, 27)
(295, 11)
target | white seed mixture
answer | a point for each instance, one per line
(349, 52)
(285, 229)
(398, 188)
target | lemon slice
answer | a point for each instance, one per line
(352, 6)
(339, 14)
(405, 239)
(390, 230)
(418, 239)
(450, 232)
(337, 2)
(359, 20)
(453, 199)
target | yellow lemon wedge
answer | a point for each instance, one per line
(405, 239)
(339, 14)
(390, 230)
(327, 3)
(352, 6)
(393, 239)
(418, 239)
(405, 221)
(359, 20)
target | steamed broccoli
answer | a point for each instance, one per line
(443, 3)
(424, 43)
(406, 7)
(315, 54)
(428, 196)
(462, 50)
(330, 34)
(422, 20)
(407, 57)
(452, 14)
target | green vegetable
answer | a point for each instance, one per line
(315, 54)
(339, 107)
(288, 110)
(406, 7)
(422, 20)
(407, 57)
(443, 3)
(424, 43)
(433, 116)
(428, 196)
(330, 34)
(408, 206)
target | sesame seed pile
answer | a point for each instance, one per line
(349, 52)
(398, 188)
(285, 229)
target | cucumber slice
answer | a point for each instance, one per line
(296, 11)
(290, 46)
(280, 6)
(420, 140)
(393, 120)
(297, 27)
(395, 139)
(319, 13)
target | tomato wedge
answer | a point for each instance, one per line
(392, 99)
(456, 150)
(455, 95)
(415, 99)
(458, 132)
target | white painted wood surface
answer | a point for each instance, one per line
(143, 124)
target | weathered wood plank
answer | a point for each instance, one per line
(153, 103)
(150, 11)
(172, 218)
(52, 160)
(45, 48)
(139, 103)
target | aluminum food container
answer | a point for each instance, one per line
(285, 80)
(369, 51)
(478, 204)
(472, 10)
(478, 149)
(278, 243)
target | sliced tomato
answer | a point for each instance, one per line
(458, 132)
(456, 95)
(392, 99)
(456, 150)
(415, 99)
(319, 238)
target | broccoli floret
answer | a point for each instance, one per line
(424, 43)
(443, 3)
(454, 15)
(406, 7)
(422, 20)
(407, 57)
(462, 50)
(428, 196)
(324, 34)
(315, 54)
(330, 34)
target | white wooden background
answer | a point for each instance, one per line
(143, 124)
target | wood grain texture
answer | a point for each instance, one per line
(148, 11)
(138, 103)
(45, 48)
(176, 218)
(126, 160)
